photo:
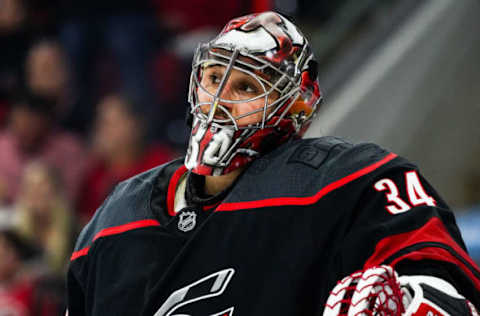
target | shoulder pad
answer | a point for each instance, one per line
(314, 152)
(303, 167)
(129, 202)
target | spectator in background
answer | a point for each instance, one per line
(44, 216)
(32, 134)
(14, 41)
(195, 15)
(123, 29)
(46, 72)
(16, 288)
(12, 15)
(22, 22)
(19, 290)
(120, 150)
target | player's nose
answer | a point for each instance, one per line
(226, 95)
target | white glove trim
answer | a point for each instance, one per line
(413, 282)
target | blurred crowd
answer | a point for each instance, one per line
(91, 93)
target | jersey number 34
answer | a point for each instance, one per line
(415, 192)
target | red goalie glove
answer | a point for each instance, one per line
(380, 291)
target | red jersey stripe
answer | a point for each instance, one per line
(114, 231)
(79, 253)
(126, 227)
(172, 186)
(439, 254)
(209, 207)
(432, 231)
(280, 201)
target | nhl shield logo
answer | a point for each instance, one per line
(187, 221)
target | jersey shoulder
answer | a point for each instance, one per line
(304, 167)
(127, 204)
(335, 153)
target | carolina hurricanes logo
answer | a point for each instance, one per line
(208, 287)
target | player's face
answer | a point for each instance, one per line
(239, 86)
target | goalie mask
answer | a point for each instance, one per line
(252, 88)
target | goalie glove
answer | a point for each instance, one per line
(427, 295)
(380, 291)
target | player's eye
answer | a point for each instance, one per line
(214, 79)
(247, 87)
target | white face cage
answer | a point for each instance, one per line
(284, 79)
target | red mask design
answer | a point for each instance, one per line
(269, 50)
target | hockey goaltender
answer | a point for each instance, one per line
(257, 221)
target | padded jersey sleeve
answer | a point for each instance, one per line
(124, 250)
(400, 220)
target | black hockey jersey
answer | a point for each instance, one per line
(296, 221)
